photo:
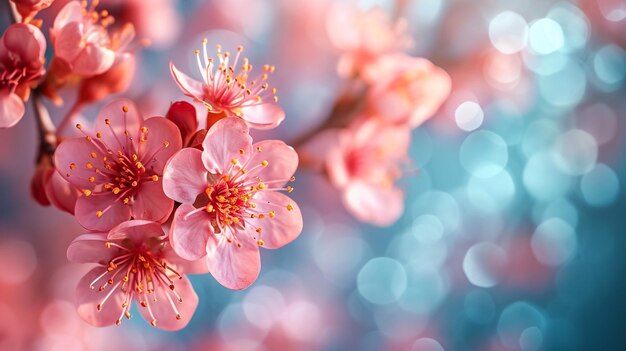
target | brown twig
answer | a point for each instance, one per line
(13, 15)
(45, 127)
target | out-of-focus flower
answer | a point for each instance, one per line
(115, 80)
(183, 114)
(82, 41)
(364, 36)
(229, 91)
(29, 8)
(119, 167)
(49, 188)
(365, 163)
(406, 90)
(22, 50)
(135, 262)
(230, 204)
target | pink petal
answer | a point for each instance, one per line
(162, 309)
(93, 60)
(336, 162)
(88, 206)
(374, 204)
(284, 227)
(71, 12)
(27, 41)
(282, 161)
(136, 230)
(76, 153)
(161, 132)
(11, 109)
(235, 267)
(87, 300)
(61, 193)
(188, 85)
(120, 121)
(183, 114)
(184, 266)
(263, 116)
(185, 177)
(67, 42)
(150, 202)
(90, 248)
(223, 143)
(189, 234)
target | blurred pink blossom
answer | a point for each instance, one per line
(363, 36)
(135, 262)
(49, 188)
(29, 8)
(22, 50)
(364, 163)
(227, 91)
(230, 204)
(119, 167)
(406, 90)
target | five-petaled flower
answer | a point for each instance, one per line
(22, 50)
(119, 168)
(135, 262)
(229, 91)
(230, 205)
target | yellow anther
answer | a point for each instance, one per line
(93, 155)
(275, 98)
(89, 165)
(235, 220)
(264, 163)
(260, 242)
(258, 148)
(125, 108)
(144, 130)
(116, 190)
(134, 157)
(272, 214)
(166, 143)
(289, 189)
(261, 216)
(258, 230)
(134, 183)
(92, 179)
(197, 52)
(107, 245)
(107, 121)
(87, 192)
(153, 322)
(155, 178)
(234, 161)
(139, 165)
(79, 126)
(261, 186)
(292, 179)
(126, 200)
(289, 207)
(72, 165)
(99, 214)
(209, 208)
(98, 135)
(241, 151)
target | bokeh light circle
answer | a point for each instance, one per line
(484, 154)
(484, 264)
(564, 88)
(382, 280)
(545, 36)
(508, 32)
(609, 64)
(554, 242)
(426, 344)
(600, 186)
(469, 116)
(576, 152)
(18, 261)
(514, 322)
(543, 179)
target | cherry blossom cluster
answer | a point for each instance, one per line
(363, 148)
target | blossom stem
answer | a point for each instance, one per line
(45, 127)
(13, 16)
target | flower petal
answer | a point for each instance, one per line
(235, 267)
(11, 109)
(74, 157)
(160, 132)
(87, 208)
(189, 234)
(188, 85)
(263, 116)
(224, 142)
(150, 202)
(162, 310)
(183, 114)
(27, 41)
(71, 12)
(136, 230)
(184, 176)
(374, 204)
(87, 300)
(67, 40)
(93, 60)
(283, 227)
(90, 248)
(61, 193)
(282, 161)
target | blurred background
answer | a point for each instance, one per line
(512, 237)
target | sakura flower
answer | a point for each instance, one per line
(49, 188)
(407, 89)
(82, 42)
(29, 8)
(228, 90)
(135, 262)
(363, 36)
(364, 163)
(183, 114)
(119, 167)
(230, 204)
(22, 50)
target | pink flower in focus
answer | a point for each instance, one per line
(365, 163)
(135, 262)
(81, 39)
(228, 91)
(22, 50)
(183, 114)
(406, 90)
(364, 36)
(119, 167)
(29, 8)
(230, 205)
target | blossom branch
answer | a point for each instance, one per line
(45, 127)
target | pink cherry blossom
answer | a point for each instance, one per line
(183, 114)
(228, 91)
(364, 163)
(363, 36)
(230, 205)
(82, 41)
(406, 89)
(135, 262)
(29, 8)
(49, 188)
(119, 167)
(22, 50)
